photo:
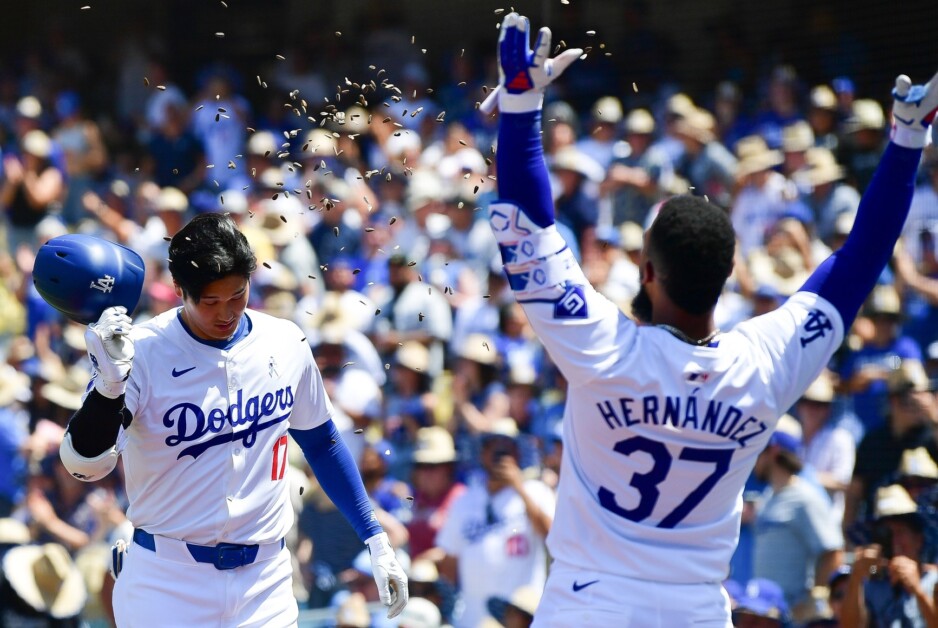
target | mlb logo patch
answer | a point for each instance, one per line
(697, 377)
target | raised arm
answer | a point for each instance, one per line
(847, 276)
(576, 325)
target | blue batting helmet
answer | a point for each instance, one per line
(82, 275)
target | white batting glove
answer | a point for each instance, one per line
(389, 575)
(523, 74)
(111, 351)
(913, 111)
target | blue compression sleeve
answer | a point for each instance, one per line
(846, 277)
(521, 169)
(336, 471)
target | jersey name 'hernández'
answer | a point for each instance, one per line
(659, 435)
(205, 455)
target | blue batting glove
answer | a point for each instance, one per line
(523, 73)
(913, 110)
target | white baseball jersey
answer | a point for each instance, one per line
(660, 435)
(205, 457)
(497, 555)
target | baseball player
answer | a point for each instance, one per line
(198, 402)
(664, 420)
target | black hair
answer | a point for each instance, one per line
(691, 244)
(207, 249)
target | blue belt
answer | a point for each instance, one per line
(223, 556)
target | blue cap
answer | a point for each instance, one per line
(787, 434)
(733, 588)
(800, 212)
(764, 598)
(841, 572)
(67, 104)
(843, 84)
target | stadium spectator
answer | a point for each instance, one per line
(888, 584)
(497, 526)
(909, 425)
(829, 449)
(798, 542)
(435, 487)
(865, 371)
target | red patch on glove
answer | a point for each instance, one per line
(520, 82)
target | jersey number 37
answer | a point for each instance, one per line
(647, 483)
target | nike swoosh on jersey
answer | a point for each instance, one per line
(182, 372)
(579, 587)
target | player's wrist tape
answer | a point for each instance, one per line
(545, 275)
(907, 137)
(379, 544)
(535, 247)
(531, 100)
(511, 224)
(111, 390)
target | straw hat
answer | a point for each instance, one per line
(423, 570)
(13, 532)
(909, 377)
(171, 199)
(505, 426)
(478, 348)
(893, 501)
(353, 612)
(321, 143)
(822, 97)
(797, 137)
(74, 336)
(420, 613)
(414, 356)
(14, 385)
(918, 463)
(631, 236)
(574, 160)
(822, 168)
(67, 390)
(46, 578)
(821, 389)
(424, 187)
(262, 143)
(29, 107)
(697, 124)
(434, 445)
(784, 272)
(680, 105)
(884, 300)
(280, 232)
(640, 121)
(867, 115)
(607, 109)
(37, 143)
(756, 158)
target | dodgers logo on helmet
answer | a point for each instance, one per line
(82, 275)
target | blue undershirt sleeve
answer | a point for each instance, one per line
(522, 172)
(847, 276)
(338, 475)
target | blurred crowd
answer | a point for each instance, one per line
(367, 210)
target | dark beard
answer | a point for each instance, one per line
(641, 306)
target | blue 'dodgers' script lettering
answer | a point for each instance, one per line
(193, 422)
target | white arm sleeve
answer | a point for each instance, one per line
(86, 469)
